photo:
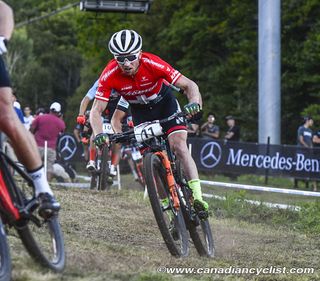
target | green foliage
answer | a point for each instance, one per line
(213, 42)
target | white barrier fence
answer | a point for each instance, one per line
(262, 188)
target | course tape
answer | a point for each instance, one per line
(267, 204)
(262, 188)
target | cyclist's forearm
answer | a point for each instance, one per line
(95, 116)
(190, 89)
(83, 105)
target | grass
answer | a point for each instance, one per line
(113, 236)
(262, 196)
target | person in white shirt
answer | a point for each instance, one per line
(28, 118)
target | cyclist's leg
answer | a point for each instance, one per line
(91, 166)
(177, 136)
(178, 144)
(23, 143)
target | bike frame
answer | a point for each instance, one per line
(12, 205)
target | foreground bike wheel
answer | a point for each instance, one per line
(5, 259)
(200, 230)
(104, 181)
(41, 237)
(173, 231)
(44, 243)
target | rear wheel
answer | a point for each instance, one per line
(93, 180)
(170, 220)
(5, 260)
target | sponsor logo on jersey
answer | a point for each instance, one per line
(153, 63)
(140, 92)
(108, 73)
(126, 88)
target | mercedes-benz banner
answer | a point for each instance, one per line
(250, 158)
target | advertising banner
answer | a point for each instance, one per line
(251, 158)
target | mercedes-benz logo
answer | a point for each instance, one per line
(210, 154)
(67, 146)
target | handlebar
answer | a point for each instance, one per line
(130, 136)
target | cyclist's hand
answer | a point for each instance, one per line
(84, 140)
(192, 108)
(3, 45)
(81, 119)
(101, 139)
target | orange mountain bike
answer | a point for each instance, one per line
(170, 197)
(19, 209)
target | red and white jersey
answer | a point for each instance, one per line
(143, 87)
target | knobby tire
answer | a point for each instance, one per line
(200, 230)
(104, 183)
(5, 259)
(154, 171)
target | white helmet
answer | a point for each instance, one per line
(125, 42)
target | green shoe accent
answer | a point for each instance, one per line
(196, 189)
(165, 202)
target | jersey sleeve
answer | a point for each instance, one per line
(92, 92)
(163, 69)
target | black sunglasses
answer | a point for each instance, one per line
(130, 58)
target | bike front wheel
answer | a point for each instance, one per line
(199, 229)
(41, 237)
(104, 177)
(44, 242)
(169, 219)
(5, 259)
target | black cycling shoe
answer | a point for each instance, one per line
(200, 209)
(49, 206)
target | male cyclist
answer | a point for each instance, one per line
(22, 141)
(108, 112)
(143, 80)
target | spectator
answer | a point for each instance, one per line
(233, 133)
(47, 127)
(304, 134)
(316, 139)
(316, 144)
(209, 130)
(63, 172)
(304, 139)
(40, 111)
(28, 118)
(17, 108)
(193, 129)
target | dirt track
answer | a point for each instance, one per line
(113, 236)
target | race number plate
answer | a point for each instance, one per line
(107, 128)
(147, 130)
